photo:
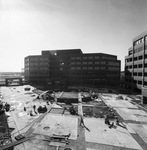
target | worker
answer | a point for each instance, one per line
(24, 109)
(34, 107)
(82, 123)
(107, 121)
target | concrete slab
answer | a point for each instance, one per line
(100, 133)
(57, 124)
(38, 144)
(20, 123)
(132, 114)
(141, 130)
(121, 103)
(130, 130)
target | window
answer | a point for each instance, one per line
(102, 68)
(135, 66)
(135, 73)
(78, 63)
(84, 68)
(97, 57)
(84, 62)
(96, 62)
(72, 58)
(140, 57)
(140, 66)
(145, 83)
(45, 59)
(139, 73)
(35, 68)
(113, 68)
(96, 68)
(108, 57)
(103, 62)
(139, 82)
(90, 57)
(145, 65)
(72, 68)
(45, 68)
(113, 63)
(145, 56)
(78, 58)
(130, 66)
(140, 49)
(90, 62)
(135, 58)
(90, 68)
(84, 57)
(72, 63)
(78, 68)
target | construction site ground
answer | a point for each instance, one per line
(96, 135)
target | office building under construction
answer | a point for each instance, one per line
(136, 66)
(71, 67)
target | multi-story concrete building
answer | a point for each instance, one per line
(136, 64)
(72, 67)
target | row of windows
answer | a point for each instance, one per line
(138, 41)
(135, 74)
(129, 60)
(135, 81)
(109, 58)
(92, 57)
(87, 68)
(96, 62)
(89, 62)
(84, 57)
(36, 59)
(113, 68)
(137, 50)
(136, 66)
(37, 68)
(141, 40)
(113, 63)
(136, 58)
(37, 64)
(95, 68)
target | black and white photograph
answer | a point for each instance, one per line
(73, 74)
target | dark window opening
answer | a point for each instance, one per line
(140, 57)
(139, 82)
(135, 66)
(139, 73)
(140, 66)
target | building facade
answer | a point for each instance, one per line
(136, 64)
(73, 67)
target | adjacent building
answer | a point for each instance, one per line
(72, 67)
(136, 65)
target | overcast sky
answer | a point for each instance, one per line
(95, 26)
